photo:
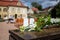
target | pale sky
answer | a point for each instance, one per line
(44, 3)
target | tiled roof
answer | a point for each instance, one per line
(34, 9)
(2, 3)
(10, 3)
(9, 0)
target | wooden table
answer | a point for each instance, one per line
(46, 34)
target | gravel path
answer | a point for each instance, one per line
(4, 30)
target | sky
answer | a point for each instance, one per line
(44, 3)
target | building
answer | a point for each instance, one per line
(12, 7)
(32, 10)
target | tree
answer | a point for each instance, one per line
(57, 7)
(53, 13)
(58, 10)
(36, 5)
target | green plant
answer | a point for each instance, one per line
(21, 28)
(42, 22)
(48, 22)
(36, 5)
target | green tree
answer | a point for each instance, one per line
(36, 5)
(58, 10)
(57, 7)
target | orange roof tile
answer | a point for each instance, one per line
(2, 3)
(9, 0)
(10, 3)
(34, 9)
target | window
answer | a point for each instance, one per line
(12, 10)
(18, 10)
(5, 9)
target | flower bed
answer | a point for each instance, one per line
(41, 23)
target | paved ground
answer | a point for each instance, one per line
(4, 28)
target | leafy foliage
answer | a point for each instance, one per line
(58, 10)
(48, 20)
(36, 5)
(42, 23)
(57, 7)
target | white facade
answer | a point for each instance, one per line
(31, 11)
(18, 11)
(3, 11)
(12, 10)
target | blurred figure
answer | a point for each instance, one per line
(5, 18)
(10, 19)
(19, 21)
